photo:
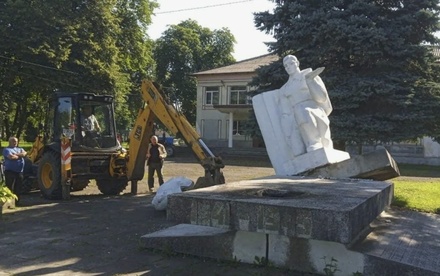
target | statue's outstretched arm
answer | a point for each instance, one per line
(314, 73)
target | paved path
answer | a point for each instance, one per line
(96, 235)
(405, 239)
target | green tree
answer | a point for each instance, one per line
(185, 49)
(70, 45)
(136, 56)
(22, 64)
(382, 78)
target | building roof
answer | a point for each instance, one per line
(244, 66)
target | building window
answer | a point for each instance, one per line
(238, 95)
(212, 95)
(237, 128)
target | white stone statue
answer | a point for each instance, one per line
(304, 100)
(294, 121)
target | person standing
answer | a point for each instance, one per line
(14, 165)
(156, 154)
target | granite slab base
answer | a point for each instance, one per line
(299, 207)
(373, 256)
(192, 239)
(302, 224)
(248, 247)
(376, 165)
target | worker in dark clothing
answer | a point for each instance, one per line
(156, 154)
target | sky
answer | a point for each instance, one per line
(236, 15)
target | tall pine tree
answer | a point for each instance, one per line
(383, 81)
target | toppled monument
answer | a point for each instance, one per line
(317, 208)
(296, 130)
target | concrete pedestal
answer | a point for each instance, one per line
(306, 223)
(312, 208)
(298, 223)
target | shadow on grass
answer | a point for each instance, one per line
(400, 202)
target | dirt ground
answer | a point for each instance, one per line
(93, 234)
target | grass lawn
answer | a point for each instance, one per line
(417, 194)
(25, 145)
(418, 188)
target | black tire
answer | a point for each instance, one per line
(78, 184)
(170, 151)
(49, 175)
(111, 186)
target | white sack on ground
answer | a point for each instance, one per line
(172, 186)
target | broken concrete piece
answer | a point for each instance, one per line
(376, 165)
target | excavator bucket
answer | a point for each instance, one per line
(213, 174)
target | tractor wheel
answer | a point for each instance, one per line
(49, 175)
(111, 186)
(78, 184)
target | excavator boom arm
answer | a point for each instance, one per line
(156, 107)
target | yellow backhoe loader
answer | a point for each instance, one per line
(79, 143)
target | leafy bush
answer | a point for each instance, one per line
(6, 194)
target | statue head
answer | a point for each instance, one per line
(291, 64)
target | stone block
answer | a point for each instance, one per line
(311, 208)
(203, 241)
(9, 204)
(376, 165)
(299, 254)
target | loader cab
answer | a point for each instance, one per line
(87, 119)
